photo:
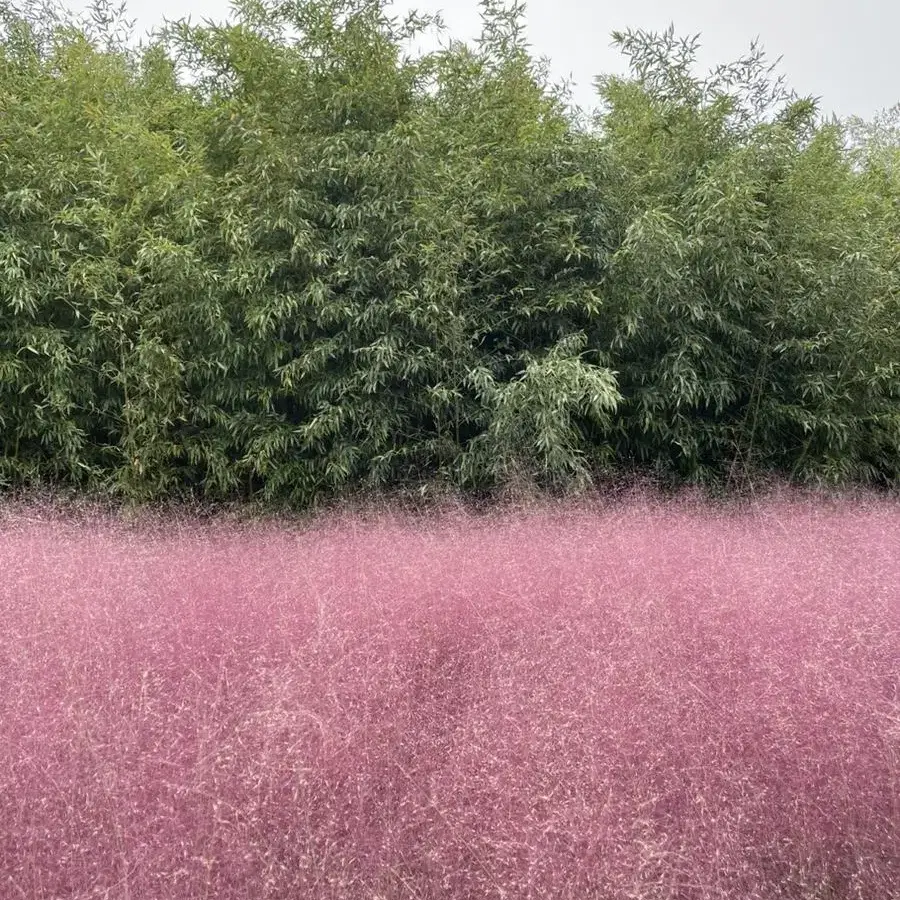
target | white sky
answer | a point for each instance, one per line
(846, 53)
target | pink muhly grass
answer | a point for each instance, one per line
(638, 700)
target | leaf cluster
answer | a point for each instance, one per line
(280, 257)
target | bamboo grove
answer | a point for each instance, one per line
(286, 258)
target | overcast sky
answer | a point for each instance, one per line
(846, 53)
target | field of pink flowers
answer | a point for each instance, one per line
(628, 701)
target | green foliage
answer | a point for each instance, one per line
(279, 257)
(749, 273)
(87, 167)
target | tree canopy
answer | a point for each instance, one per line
(281, 256)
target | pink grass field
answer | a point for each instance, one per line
(628, 700)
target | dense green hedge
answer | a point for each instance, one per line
(279, 257)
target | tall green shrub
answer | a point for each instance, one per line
(278, 256)
(747, 278)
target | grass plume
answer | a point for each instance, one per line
(637, 700)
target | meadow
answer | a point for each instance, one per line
(629, 700)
